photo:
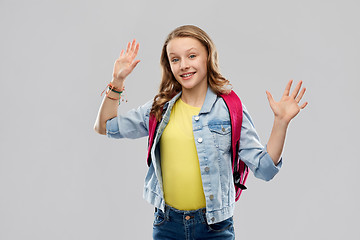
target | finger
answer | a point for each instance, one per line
(270, 98)
(136, 50)
(296, 90)
(133, 46)
(287, 88)
(122, 53)
(128, 47)
(304, 105)
(133, 65)
(299, 97)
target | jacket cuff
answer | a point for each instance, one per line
(112, 128)
(270, 169)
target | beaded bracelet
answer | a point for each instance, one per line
(113, 89)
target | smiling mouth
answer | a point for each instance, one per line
(187, 75)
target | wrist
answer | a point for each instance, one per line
(117, 84)
(281, 122)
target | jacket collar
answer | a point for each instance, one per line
(172, 101)
(210, 100)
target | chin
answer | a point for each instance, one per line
(187, 86)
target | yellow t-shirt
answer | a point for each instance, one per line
(180, 167)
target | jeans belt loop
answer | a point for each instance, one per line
(166, 213)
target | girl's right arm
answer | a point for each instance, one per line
(122, 68)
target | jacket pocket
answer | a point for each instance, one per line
(221, 132)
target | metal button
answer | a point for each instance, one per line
(207, 169)
(223, 129)
(187, 217)
(196, 118)
(200, 140)
(212, 219)
(211, 197)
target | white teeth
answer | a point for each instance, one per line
(187, 75)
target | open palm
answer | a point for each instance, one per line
(125, 63)
(288, 106)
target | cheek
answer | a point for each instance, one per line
(173, 70)
(203, 65)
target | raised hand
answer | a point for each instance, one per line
(125, 63)
(288, 106)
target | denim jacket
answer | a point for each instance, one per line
(212, 135)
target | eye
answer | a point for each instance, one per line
(192, 56)
(174, 60)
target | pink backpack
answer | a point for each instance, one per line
(240, 170)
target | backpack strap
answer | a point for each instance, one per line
(152, 127)
(240, 170)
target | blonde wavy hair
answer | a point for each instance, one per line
(169, 87)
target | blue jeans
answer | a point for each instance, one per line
(185, 225)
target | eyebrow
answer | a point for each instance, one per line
(193, 48)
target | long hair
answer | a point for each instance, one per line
(169, 87)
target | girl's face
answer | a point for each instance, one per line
(188, 62)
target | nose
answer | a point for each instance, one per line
(184, 64)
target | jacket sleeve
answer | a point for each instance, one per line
(133, 124)
(253, 153)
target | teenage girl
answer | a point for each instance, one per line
(190, 180)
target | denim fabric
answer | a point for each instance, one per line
(189, 225)
(212, 134)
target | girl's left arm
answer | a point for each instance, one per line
(284, 111)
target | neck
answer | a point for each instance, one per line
(194, 97)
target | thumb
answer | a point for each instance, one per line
(133, 65)
(270, 98)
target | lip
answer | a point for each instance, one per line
(188, 77)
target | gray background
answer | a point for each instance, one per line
(61, 180)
